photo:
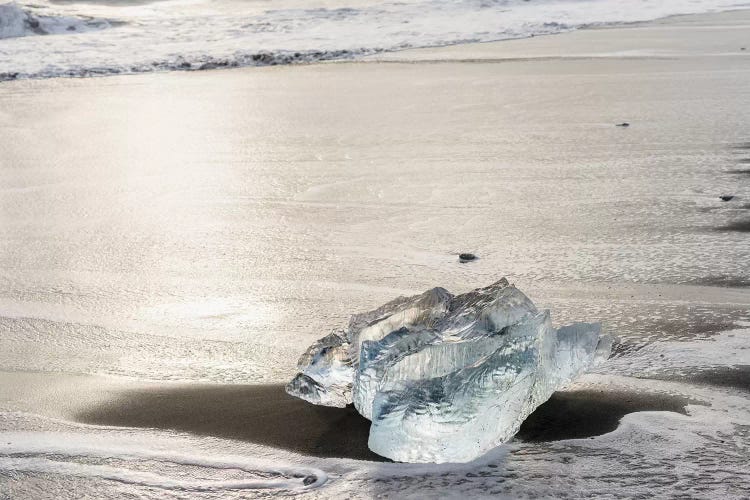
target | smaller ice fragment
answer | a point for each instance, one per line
(326, 373)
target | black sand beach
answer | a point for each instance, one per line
(171, 242)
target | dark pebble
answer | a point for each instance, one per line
(466, 257)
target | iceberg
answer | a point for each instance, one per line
(446, 378)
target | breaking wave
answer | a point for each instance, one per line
(202, 34)
(17, 22)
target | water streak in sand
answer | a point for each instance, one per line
(60, 453)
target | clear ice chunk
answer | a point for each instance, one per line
(447, 378)
(326, 373)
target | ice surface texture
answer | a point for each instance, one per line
(446, 378)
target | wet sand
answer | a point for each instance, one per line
(734, 377)
(381, 172)
(723, 281)
(724, 377)
(214, 242)
(267, 415)
(741, 226)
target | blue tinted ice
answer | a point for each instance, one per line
(446, 378)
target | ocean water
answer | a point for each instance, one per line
(47, 38)
(206, 227)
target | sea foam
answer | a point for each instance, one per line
(16, 21)
(207, 35)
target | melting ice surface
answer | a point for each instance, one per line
(142, 36)
(446, 378)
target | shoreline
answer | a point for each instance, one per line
(599, 43)
(414, 54)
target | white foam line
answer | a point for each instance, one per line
(74, 446)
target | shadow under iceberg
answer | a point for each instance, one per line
(266, 415)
